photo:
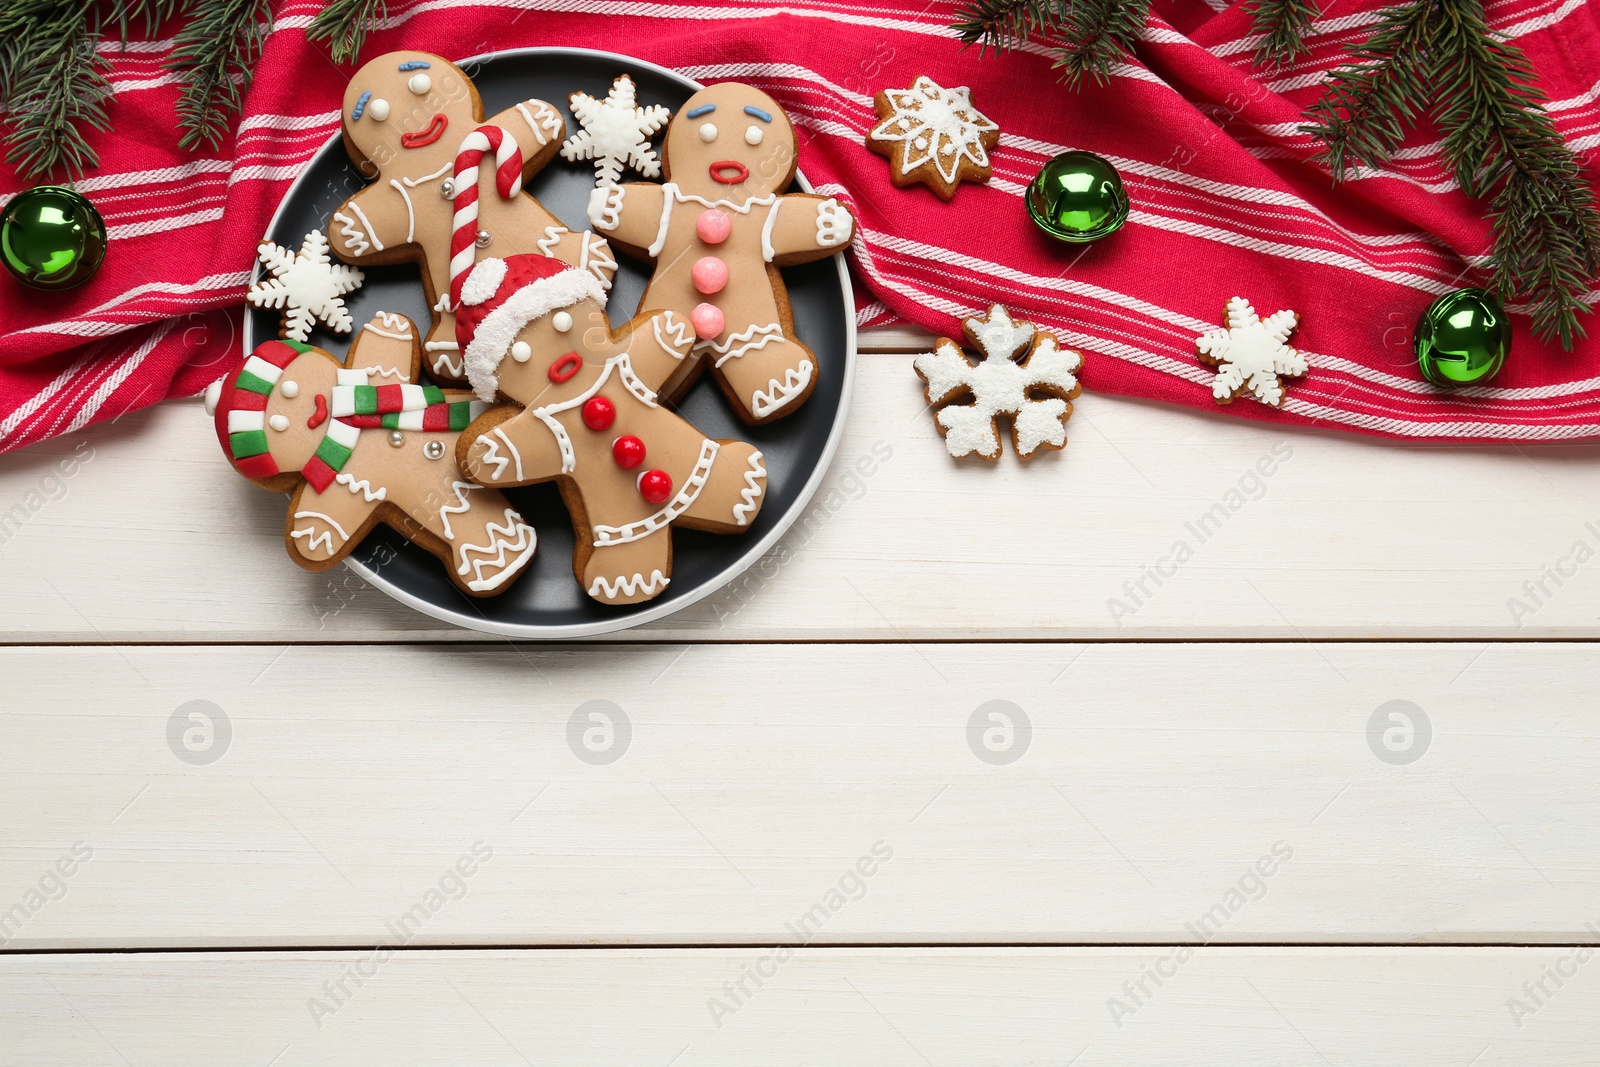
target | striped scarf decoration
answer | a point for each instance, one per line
(247, 412)
(400, 407)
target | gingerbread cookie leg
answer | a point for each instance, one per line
(627, 572)
(489, 542)
(762, 372)
(734, 490)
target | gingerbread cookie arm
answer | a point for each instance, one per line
(803, 227)
(657, 345)
(324, 527)
(633, 215)
(536, 126)
(508, 447)
(388, 347)
(365, 227)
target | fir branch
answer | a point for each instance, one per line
(1000, 23)
(344, 25)
(1362, 115)
(216, 53)
(149, 15)
(1097, 34)
(1282, 25)
(53, 83)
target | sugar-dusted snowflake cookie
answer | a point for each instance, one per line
(1023, 375)
(616, 133)
(933, 135)
(306, 286)
(1252, 353)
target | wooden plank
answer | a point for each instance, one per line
(153, 539)
(1158, 793)
(1234, 1007)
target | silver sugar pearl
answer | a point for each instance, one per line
(433, 450)
(482, 239)
(396, 438)
(447, 189)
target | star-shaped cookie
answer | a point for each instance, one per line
(933, 135)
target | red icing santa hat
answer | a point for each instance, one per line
(501, 296)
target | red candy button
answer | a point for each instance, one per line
(599, 413)
(655, 486)
(628, 451)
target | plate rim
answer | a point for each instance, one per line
(751, 554)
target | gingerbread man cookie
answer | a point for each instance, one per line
(533, 330)
(362, 444)
(718, 231)
(405, 115)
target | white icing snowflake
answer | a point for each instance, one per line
(307, 284)
(1251, 353)
(1033, 391)
(937, 125)
(616, 133)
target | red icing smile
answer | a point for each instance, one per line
(426, 137)
(319, 416)
(729, 172)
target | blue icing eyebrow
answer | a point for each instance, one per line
(361, 106)
(414, 64)
(703, 109)
(751, 109)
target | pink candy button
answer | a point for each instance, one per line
(707, 319)
(713, 226)
(710, 274)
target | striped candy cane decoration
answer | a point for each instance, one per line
(507, 179)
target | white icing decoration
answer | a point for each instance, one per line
(778, 394)
(325, 538)
(834, 224)
(547, 414)
(606, 536)
(747, 339)
(521, 352)
(411, 214)
(483, 281)
(561, 321)
(441, 172)
(279, 422)
(615, 133)
(767, 252)
(379, 109)
(751, 491)
(633, 585)
(420, 84)
(381, 332)
(1000, 386)
(1251, 353)
(307, 285)
(660, 240)
(372, 231)
(362, 487)
(492, 339)
(290, 389)
(500, 568)
(552, 237)
(597, 259)
(673, 334)
(491, 454)
(458, 508)
(708, 132)
(753, 135)
(355, 240)
(605, 207)
(938, 125)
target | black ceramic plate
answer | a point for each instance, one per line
(547, 602)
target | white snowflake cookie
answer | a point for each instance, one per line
(616, 133)
(1023, 375)
(1252, 353)
(933, 135)
(306, 285)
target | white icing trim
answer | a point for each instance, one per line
(634, 584)
(552, 237)
(414, 182)
(363, 487)
(411, 214)
(459, 508)
(370, 328)
(661, 233)
(526, 541)
(445, 362)
(597, 259)
(767, 252)
(492, 340)
(605, 207)
(443, 303)
(679, 339)
(483, 281)
(354, 239)
(325, 538)
(752, 337)
(547, 414)
(778, 394)
(672, 190)
(492, 454)
(835, 226)
(441, 346)
(752, 492)
(372, 230)
(606, 536)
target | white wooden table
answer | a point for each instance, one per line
(972, 769)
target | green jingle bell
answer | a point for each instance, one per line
(51, 237)
(1462, 338)
(1077, 197)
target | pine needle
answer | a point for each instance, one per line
(1282, 25)
(1000, 23)
(215, 55)
(1097, 35)
(344, 25)
(53, 83)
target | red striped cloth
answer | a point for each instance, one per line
(1224, 202)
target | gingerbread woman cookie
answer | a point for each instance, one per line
(533, 330)
(718, 231)
(362, 444)
(405, 115)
